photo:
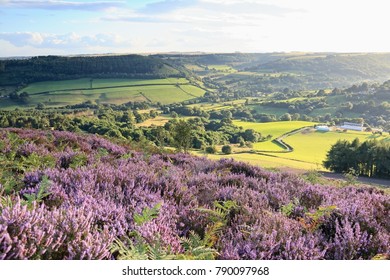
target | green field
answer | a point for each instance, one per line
(313, 147)
(222, 68)
(266, 161)
(112, 91)
(96, 83)
(157, 121)
(261, 109)
(275, 129)
(310, 147)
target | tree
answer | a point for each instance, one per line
(251, 135)
(227, 149)
(211, 150)
(24, 96)
(182, 135)
(285, 117)
(40, 106)
(174, 115)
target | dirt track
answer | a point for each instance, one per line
(364, 180)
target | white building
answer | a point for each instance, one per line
(352, 126)
(322, 128)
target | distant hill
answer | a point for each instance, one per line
(337, 67)
(303, 70)
(298, 70)
(47, 68)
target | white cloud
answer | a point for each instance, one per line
(211, 11)
(70, 40)
(62, 5)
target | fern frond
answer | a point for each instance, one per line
(131, 252)
(147, 214)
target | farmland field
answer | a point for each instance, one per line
(112, 91)
(157, 121)
(275, 129)
(312, 147)
(216, 106)
(261, 109)
(96, 83)
(222, 68)
(274, 162)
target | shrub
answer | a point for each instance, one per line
(227, 149)
(211, 150)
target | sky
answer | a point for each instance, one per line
(62, 27)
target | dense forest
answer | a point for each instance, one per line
(46, 68)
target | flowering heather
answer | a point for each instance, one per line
(95, 188)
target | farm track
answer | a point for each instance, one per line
(122, 86)
(279, 141)
(364, 180)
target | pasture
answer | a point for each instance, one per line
(107, 91)
(275, 129)
(222, 68)
(313, 146)
(266, 161)
(310, 147)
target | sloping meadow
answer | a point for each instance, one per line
(75, 196)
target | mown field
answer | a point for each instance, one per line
(112, 91)
(310, 147)
(266, 161)
(96, 83)
(275, 129)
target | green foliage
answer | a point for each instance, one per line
(219, 216)
(196, 248)
(147, 215)
(351, 177)
(312, 221)
(288, 209)
(43, 192)
(313, 176)
(135, 247)
(5, 199)
(211, 150)
(227, 149)
(370, 158)
(182, 135)
(140, 249)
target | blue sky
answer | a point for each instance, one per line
(39, 27)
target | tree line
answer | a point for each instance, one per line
(119, 121)
(370, 158)
(46, 68)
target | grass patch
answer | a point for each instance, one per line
(109, 91)
(268, 110)
(275, 129)
(266, 161)
(157, 121)
(313, 147)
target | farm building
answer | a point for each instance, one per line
(352, 126)
(322, 128)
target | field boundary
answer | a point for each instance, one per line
(279, 141)
(121, 86)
